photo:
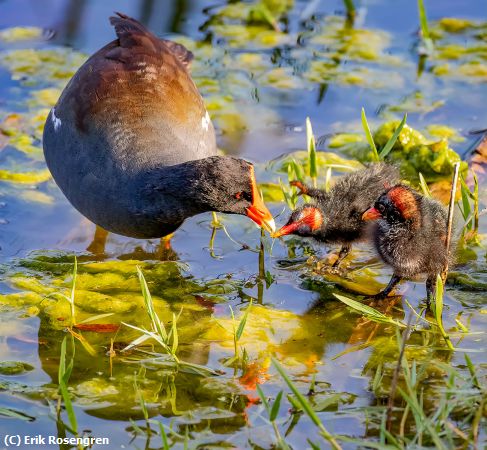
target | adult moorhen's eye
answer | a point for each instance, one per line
(246, 196)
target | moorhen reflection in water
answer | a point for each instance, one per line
(336, 216)
(410, 235)
(132, 146)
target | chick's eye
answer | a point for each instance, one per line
(381, 207)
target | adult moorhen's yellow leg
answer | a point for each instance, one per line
(164, 251)
(97, 245)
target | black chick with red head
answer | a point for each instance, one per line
(336, 216)
(410, 235)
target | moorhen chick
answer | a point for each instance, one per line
(132, 146)
(409, 235)
(336, 216)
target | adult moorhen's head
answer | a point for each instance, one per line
(223, 184)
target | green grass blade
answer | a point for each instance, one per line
(62, 361)
(328, 180)
(165, 443)
(465, 192)
(175, 338)
(303, 402)
(475, 202)
(350, 7)
(97, 317)
(156, 322)
(370, 312)
(368, 135)
(423, 20)
(390, 143)
(298, 171)
(243, 321)
(275, 407)
(73, 290)
(263, 399)
(12, 413)
(424, 186)
(64, 373)
(425, 33)
(471, 369)
(311, 145)
(438, 311)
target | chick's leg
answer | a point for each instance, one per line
(344, 251)
(304, 189)
(430, 289)
(392, 284)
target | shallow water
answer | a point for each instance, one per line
(259, 87)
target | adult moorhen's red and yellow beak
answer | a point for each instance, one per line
(257, 211)
(371, 214)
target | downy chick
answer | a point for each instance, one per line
(336, 216)
(410, 235)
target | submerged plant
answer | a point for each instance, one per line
(470, 210)
(64, 373)
(238, 359)
(273, 412)
(438, 311)
(428, 45)
(311, 145)
(376, 155)
(306, 407)
(168, 340)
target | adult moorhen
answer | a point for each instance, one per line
(132, 146)
(409, 235)
(336, 216)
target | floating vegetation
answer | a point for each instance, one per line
(15, 34)
(453, 58)
(412, 150)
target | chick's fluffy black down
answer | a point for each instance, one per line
(415, 247)
(349, 198)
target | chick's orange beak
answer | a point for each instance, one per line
(310, 217)
(371, 214)
(290, 228)
(257, 211)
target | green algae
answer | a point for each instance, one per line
(16, 34)
(415, 102)
(413, 151)
(454, 24)
(36, 67)
(25, 177)
(14, 367)
(465, 62)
